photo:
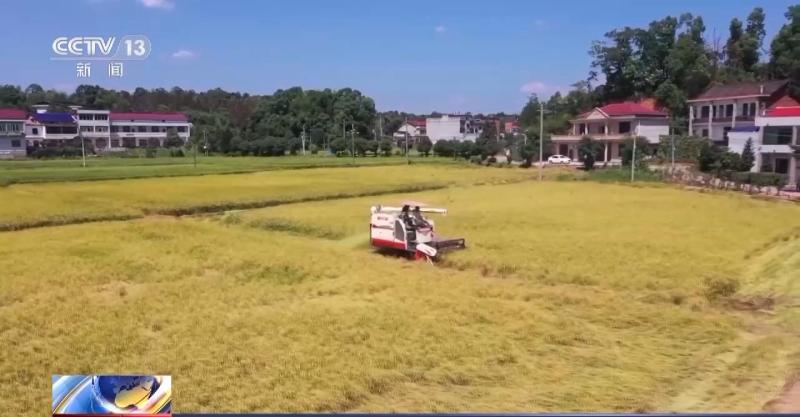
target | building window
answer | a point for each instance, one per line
(780, 165)
(624, 127)
(182, 129)
(87, 128)
(85, 116)
(777, 135)
(143, 142)
(581, 128)
(729, 110)
(115, 143)
(154, 129)
(704, 111)
(35, 131)
(16, 143)
(141, 129)
(101, 129)
(126, 129)
(114, 129)
(100, 117)
(745, 109)
(705, 133)
(753, 109)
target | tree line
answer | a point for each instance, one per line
(673, 60)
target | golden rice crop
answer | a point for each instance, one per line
(53, 203)
(558, 304)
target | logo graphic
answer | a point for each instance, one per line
(112, 395)
(129, 47)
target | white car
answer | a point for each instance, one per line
(558, 159)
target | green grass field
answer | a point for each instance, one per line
(571, 296)
(35, 171)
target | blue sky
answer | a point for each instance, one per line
(419, 56)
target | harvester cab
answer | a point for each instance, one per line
(404, 228)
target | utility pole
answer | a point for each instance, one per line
(672, 140)
(303, 139)
(541, 139)
(205, 142)
(83, 149)
(353, 142)
(633, 160)
(405, 128)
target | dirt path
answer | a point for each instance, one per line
(788, 401)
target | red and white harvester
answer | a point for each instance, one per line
(404, 228)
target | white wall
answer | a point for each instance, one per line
(651, 129)
(444, 127)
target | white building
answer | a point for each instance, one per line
(103, 129)
(45, 127)
(722, 108)
(95, 127)
(444, 127)
(143, 129)
(412, 129)
(774, 137)
(12, 133)
(611, 125)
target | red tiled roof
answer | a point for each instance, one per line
(626, 108)
(416, 122)
(153, 116)
(746, 89)
(13, 114)
(785, 106)
(629, 108)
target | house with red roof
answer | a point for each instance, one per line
(12, 133)
(611, 125)
(105, 130)
(775, 138)
(726, 107)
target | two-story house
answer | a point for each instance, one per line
(723, 108)
(774, 138)
(12, 133)
(611, 125)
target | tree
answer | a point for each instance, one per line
(424, 145)
(626, 150)
(785, 49)
(748, 156)
(339, 146)
(386, 147)
(587, 150)
(173, 140)
(445, 148)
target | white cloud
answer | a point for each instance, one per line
(158, 4)
(440, 29)
(184, 54)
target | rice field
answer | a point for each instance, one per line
(571, 296)
(104, 168)
(27, 205)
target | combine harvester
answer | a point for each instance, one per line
(405, 229)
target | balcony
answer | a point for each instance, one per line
(595, 136)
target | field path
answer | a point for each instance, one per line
(789, 401)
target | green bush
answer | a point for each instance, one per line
(687, 148)
(760, 179)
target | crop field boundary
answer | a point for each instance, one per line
(47, 180)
